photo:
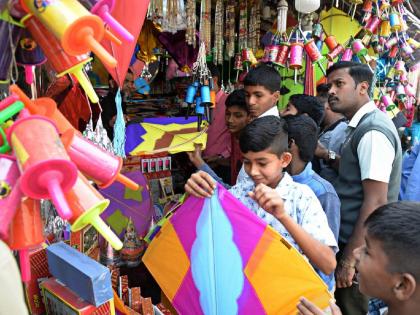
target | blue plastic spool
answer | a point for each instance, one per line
(199, 108)
(205, 94)
(190, 95)
(394, 20)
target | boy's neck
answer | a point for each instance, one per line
(278, 181)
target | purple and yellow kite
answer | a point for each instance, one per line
(215, 256)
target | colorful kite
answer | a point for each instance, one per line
(173, 135)
(215, 256)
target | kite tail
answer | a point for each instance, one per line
(119, 128)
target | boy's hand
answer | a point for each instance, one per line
(268, 199)
(200, 184)
(306, 307)
(195, 156)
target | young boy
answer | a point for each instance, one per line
(236, 118)
(303, 138)
(290, 208)
(261, 85)
(388, 264)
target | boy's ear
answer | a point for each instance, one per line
(405, 287)
(286, 158)
(276, 95)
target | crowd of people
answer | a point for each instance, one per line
(330, 175)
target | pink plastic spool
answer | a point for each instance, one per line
(312, 51)
(391, 43)
(8, 101)
(296, 56)
(400, 67)
(373, 24)
(282, 54)
(347, 55)
(106, 167)
(358, 48)
(103, 9)
(408, 51)
(10, 194)
(47, 172)
(271, 53)
(334, 54)
(409, 90)
(387, 101)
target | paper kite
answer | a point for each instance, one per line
(173, 135)
(215, 256)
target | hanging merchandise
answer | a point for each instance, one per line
(254, 26)
(218, 33)
(155, 11)
(230, 29)
(190, 34)
(205, 24)
(282, 16)
(174, 17)
(243, 25)
(353, 7)
(306, 6)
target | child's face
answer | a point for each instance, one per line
(260, 99)
(373, 277)
(236, 118)
(265, 167)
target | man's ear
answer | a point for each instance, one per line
(286, 158)
(364, 87)
(276, 95)
(404, 287)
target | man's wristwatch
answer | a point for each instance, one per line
(331, 155)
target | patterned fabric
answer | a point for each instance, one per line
(300, 203)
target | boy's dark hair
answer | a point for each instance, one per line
(322, 92)
(358, 71)
(263, 133)
(304, 132)
(264, 76)
(237, 98)
(213, 70)
(310, 105)
(397, 227)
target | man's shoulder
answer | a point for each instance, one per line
(322, 186)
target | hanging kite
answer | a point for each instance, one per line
(215, 256)
(172, 134)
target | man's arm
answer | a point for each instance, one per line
(375, 195)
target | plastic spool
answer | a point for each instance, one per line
(26, 232)
(282, 54)
(391, 43)
(79, 31)
(47, 172)
(296, 56)
(373, 25)
(331, 42)
(408, 51)
(10, 111)
(347, 55)
(393, 52)
(61, 62)
(106, 168)
(10, 194)
(87, 205)
(334, 54)
(385, 29)
(271, 53)
(358, 48)
(312, 51)
(399, 67)
(395, 22)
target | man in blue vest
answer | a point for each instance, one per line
(369, 170)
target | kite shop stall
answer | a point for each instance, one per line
(100, 101)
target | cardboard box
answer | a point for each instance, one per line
(39, 272)
(60, 300)
(86, 241)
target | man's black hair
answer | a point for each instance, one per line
(265, 76)
(397, 227)
(304, 132)
(263, 133)
(358, 71)
(310, 105)
(237, 98)
(214, 70)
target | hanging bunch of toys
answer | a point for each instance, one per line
(201, 92)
